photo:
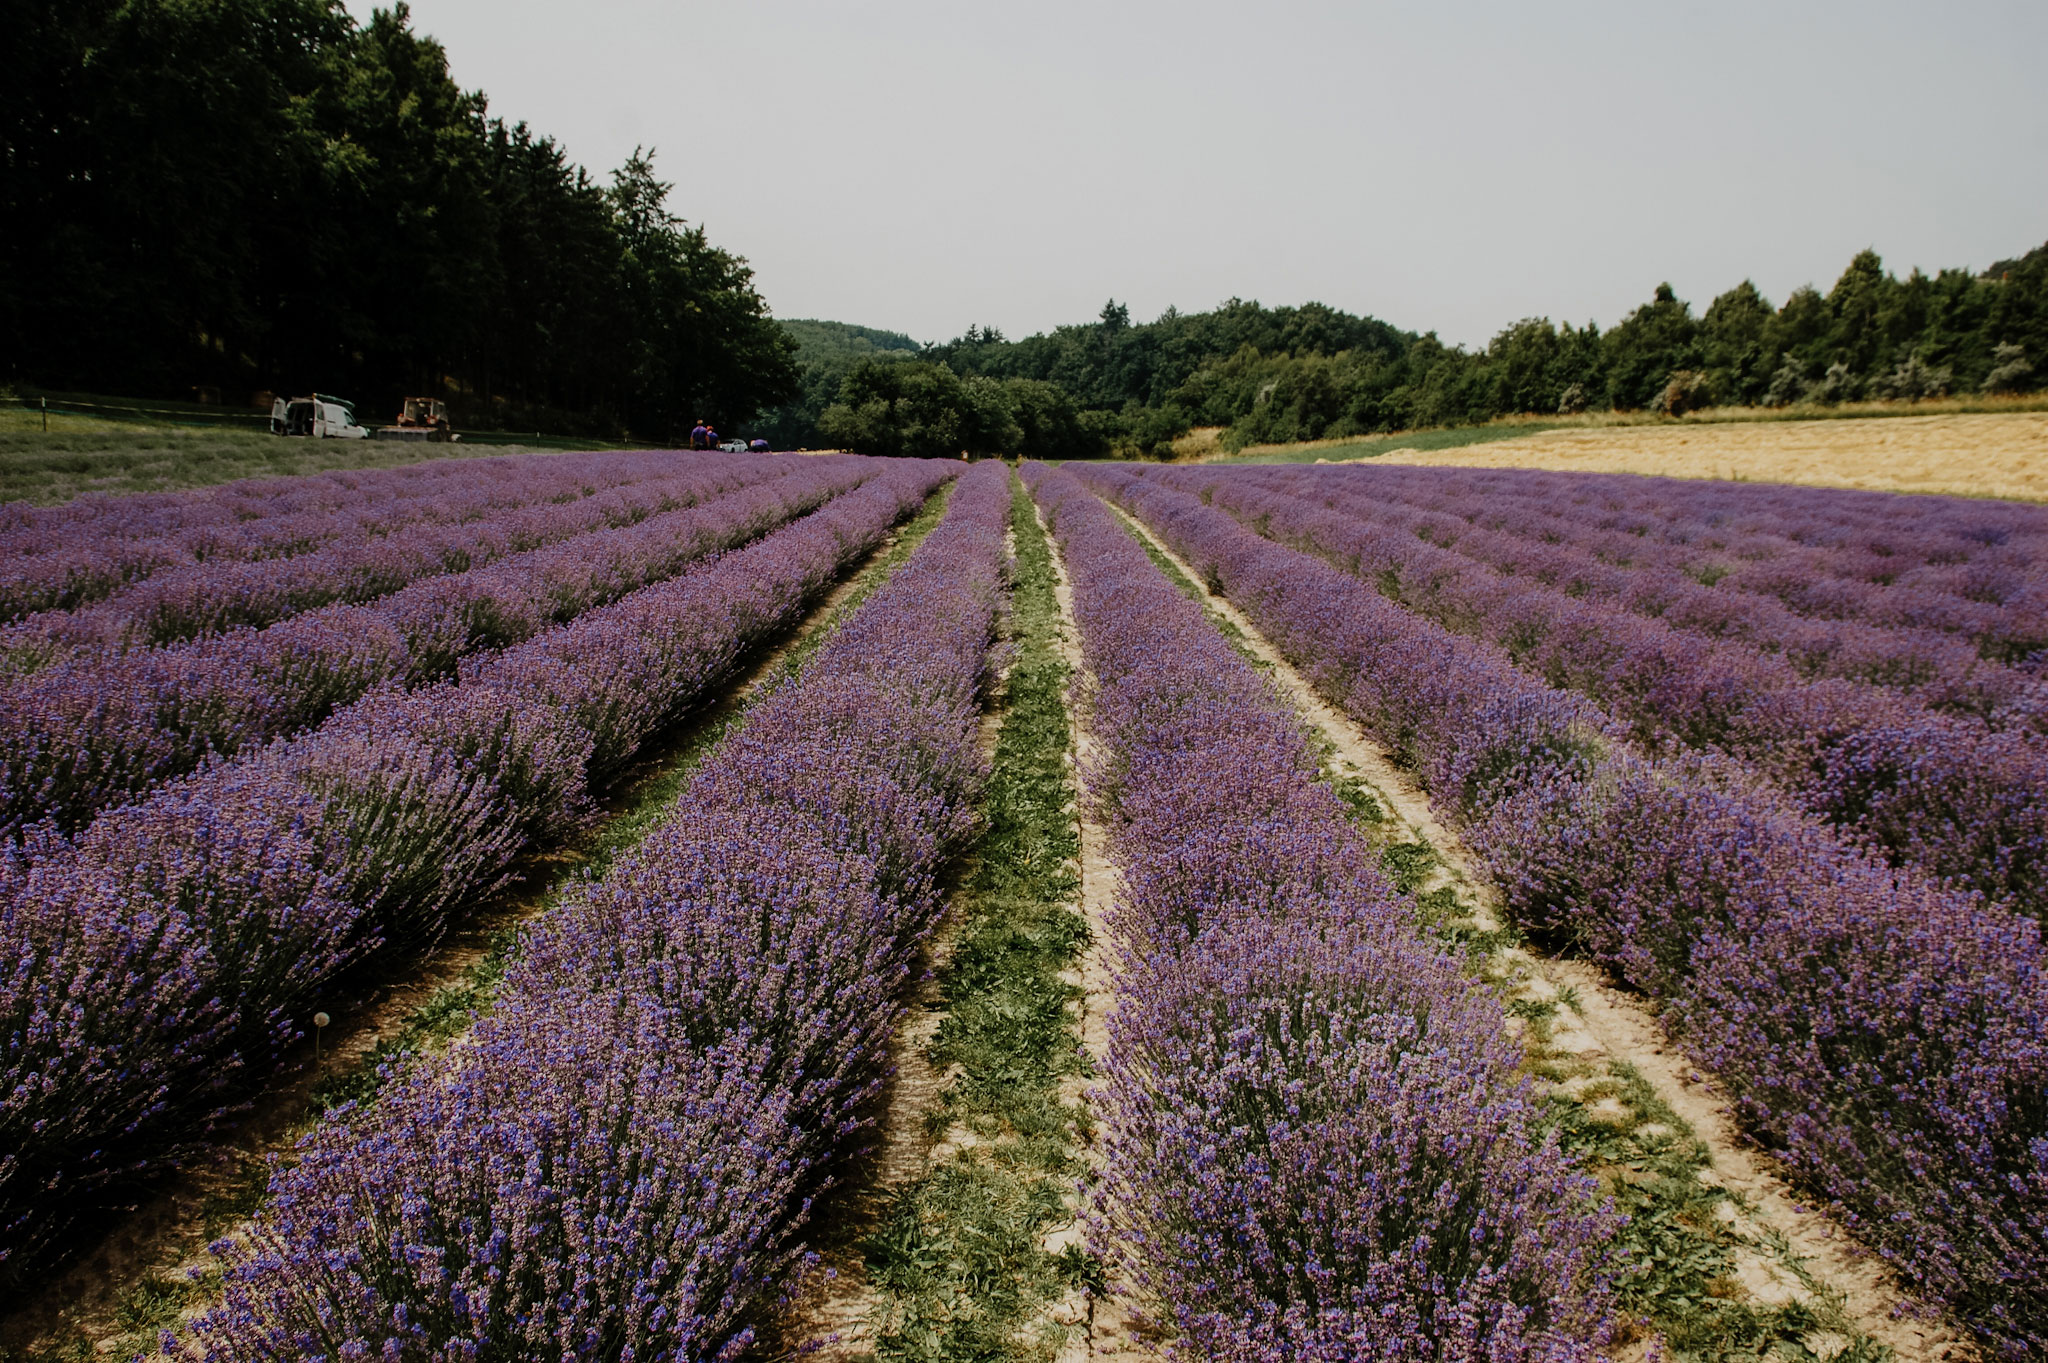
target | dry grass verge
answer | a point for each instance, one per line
(1971, 455)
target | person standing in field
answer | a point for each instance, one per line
(698, 434)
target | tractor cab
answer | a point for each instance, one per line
(419, 419)
(430, 413)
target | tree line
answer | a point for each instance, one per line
(239, 195)
(1314, 372)
(232, 196)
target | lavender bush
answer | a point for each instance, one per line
(1312, 1123)
(1961, 565)
(1886, 1036)
(1704, 588)
(620, 1162)
(163, 959)
(1318, 1143)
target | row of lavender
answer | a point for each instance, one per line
(93, 731)
(619, 1163)
(145, 515)
(1965, 567)
(163, 961)
(62, 557)
(1941, 669)
(1962, 565)
(1319, 1144)
(447, 534)
(1888, 1039)
(1952, 794)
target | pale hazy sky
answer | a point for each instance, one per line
(923, 166)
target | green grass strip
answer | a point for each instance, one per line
(1681, 1251)
(957, 1263)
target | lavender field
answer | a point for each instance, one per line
(1239, 913)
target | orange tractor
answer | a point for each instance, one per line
(421, 419)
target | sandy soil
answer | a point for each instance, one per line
(1983, 454)
(1109, 1328)
(1613, 1025)
(833, 1322)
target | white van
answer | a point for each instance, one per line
(318, 415)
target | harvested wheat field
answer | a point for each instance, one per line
(1976, 454)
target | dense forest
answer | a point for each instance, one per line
(1311, 372)
(240, 195)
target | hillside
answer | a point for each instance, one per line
(825, 352)
(819, 341)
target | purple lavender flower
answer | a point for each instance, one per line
(1963, 796)
(1884, 1034)
(620, 1162)
(102, 726)
(159, 962)
(1318, 1143)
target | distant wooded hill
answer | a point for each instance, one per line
(825, 353)
(1314, 372)
(821, 341)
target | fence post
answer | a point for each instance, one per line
(46, 416)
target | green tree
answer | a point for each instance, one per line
(920, 410)
(1735, 344)
(825, 352)
(2010, 372)
(1049, 426)
(703, 344)
(1531, 364)
(1647, 347)
(1861, 306)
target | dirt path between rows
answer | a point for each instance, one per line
(1108, 1327)
(1608, 1024)
(834, 1321)
(91, 1303)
